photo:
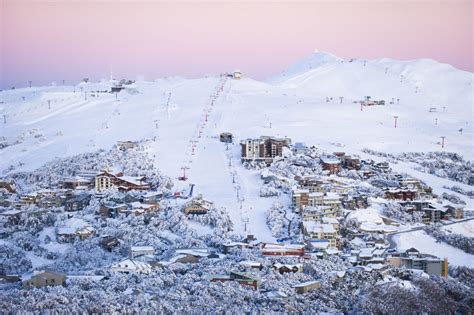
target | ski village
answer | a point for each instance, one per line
(338, 186)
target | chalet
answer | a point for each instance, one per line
(191, 256)
(453, 211)
(109, 242)
(77, 203)
(331, 163)
(130, 266)
(413, 259)
(247, 264)
(285, 268)
(85, 232)
(136, 251)
(370, 255)
(228, 247)
(66, 234)
(354, 202)
(13, 216)
(275, 295)
(139, 208)
(78, 182)
(30, 199)
(382, 167)
(49, 202)
(400, 193)
(270, 249)
(42, 278)
(125, 145)
(111, 210)
(307, 286)
(198, 206)
(152, 197)
(351, 163)
(226, 137)
(9, 186)
(242, 278)
(106, 180)
(264, 149)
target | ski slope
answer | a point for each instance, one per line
(182, 118)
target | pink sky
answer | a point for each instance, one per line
(46, 41)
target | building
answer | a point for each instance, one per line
(131, 266)
(270, 249)
(242, 278)
(125, 145)
(111, 210)
(453, 211)
(83, 181)
(301, 198)
(400, 194)
(307, 286)
(317, 213)
(42, 278)
(77, 203)
(311, 183)
(264, 149)
(226, 137)
(8, 186)
(413, 259)
(237, 75)
(285, 268)
(198, 206)
(252, 265)
(106, 180)
(136, 251)
(139, 208)
(109, 242)
(299, 148)
(331, 163)
(322, 231)
(85, 232)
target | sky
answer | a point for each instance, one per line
(53, 40)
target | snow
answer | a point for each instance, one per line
(427, 244)
(464, 228)
(183, 132)
(371, 220)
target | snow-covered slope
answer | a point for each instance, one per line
(42, 123)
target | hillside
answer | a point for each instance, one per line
(183, 117)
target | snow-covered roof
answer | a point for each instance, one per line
(330, 220)
(315, 227)
(200, 252)
(249, 263)
(306, 284)
(329, 159)
(289, 266)
(142, 248)
(66, 231)
(320, 244)
(11, 212)
(130, 265)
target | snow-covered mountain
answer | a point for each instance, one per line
(315, 101)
